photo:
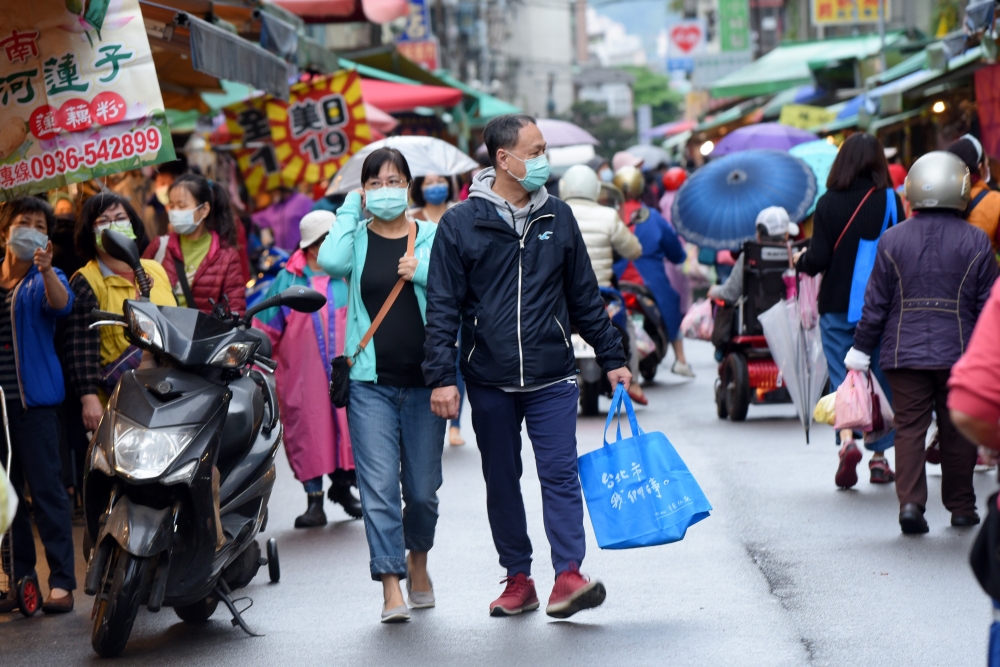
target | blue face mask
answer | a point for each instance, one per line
(606, 175)
(536, 172)
(436, 194)
(24, 241)
(387, 203)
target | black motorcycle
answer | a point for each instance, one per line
(651, 338)
(182, 448)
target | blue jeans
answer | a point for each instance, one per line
(396, 439)
(838, 337)
(550, 415)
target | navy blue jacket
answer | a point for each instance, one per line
(932, 276)
(39, 371)
(515, 298)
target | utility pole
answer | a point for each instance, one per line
(581, 31)
(881, 34)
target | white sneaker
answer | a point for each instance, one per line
(681, 368)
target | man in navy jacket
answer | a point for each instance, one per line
(510, 270)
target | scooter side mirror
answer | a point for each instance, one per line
(302, 299)
(125, 250)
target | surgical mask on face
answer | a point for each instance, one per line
(120, 226)
(24, 241)
(436, 194)
(183, 222)
(536, 172)
(163, 194)
(606, 175)
(387, 203)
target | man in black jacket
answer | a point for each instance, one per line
(510, 270)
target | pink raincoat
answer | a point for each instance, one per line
(316, 436)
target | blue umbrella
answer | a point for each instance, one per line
(819, 155)
(717, 206)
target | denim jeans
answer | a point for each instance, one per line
(396, 440)
(838, 337)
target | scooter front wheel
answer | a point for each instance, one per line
(118, 602)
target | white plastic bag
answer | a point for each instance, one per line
(699, 321)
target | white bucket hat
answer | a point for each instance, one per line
(314, 225)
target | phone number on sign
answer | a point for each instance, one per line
(94, 153)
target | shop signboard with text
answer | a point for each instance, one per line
(685, 40)
(79, 96)
(838, 12)
(322, 126)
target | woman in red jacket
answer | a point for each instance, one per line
(201, 259)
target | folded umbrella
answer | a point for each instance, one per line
(774, 136)
(424, 155)
(718, 204)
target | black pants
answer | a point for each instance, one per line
(34, 434)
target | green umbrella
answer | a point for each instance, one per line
(819, 155)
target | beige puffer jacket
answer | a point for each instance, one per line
(604, 233)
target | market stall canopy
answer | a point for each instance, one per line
(793, 64)
(391, 97)
(211, 50)
(669, 129)
(424, 155)
(346, 11)
(485, 107)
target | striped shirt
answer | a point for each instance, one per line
(8, 369)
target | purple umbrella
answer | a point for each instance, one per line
(774, 136)
(562, 133)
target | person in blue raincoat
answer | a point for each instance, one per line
(659, 241)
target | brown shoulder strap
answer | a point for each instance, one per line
(848, 225)
(411, 238)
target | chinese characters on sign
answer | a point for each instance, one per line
(249, 126)
(637, 487)
(322, 125)
(79, 97)
(833, 12)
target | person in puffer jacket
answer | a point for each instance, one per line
(931, 280)
(202, 246)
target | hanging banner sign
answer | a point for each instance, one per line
(805, 117)
(322, 126)
(249, 126)
(685, 40)
(418, 23)
(79, 96)
(835, 12)
(424, 53)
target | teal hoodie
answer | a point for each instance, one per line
(345, 250)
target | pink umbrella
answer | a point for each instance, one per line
(774, 136)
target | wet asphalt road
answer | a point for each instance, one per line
(787, 571)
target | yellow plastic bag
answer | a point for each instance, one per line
(824, 412)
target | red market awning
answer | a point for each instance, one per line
(345, 11)
(392, 97)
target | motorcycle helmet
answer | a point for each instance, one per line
(629, 180)
(674, 178)
(939, 179)
(580, 181)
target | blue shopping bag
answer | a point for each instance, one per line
(864, 262)
(639, 492)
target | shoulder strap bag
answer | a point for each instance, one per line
(183, 280)
(340, 367)
(975, 201)
(864, 262)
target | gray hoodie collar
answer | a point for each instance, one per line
(482, 187)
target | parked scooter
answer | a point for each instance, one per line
(591, 378)
(178, 447)
(651, 338)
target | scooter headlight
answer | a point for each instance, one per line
(145, 453)
(234, 355)
(144, 328)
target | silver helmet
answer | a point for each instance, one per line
(580, 181)
(938, 179)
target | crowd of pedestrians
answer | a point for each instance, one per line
(431, 300)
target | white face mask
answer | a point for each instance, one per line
(183, 222)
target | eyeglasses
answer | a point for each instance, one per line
(108, 221)
(390, 183)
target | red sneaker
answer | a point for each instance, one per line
(574, 592)
(881, 473)
(518, 596)
(847, 471)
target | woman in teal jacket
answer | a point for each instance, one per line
(395, 436)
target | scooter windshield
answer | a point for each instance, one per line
(187, 335)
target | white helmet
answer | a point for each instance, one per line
(580, 181)
(939, 179)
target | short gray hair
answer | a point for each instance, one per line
(502, 131)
